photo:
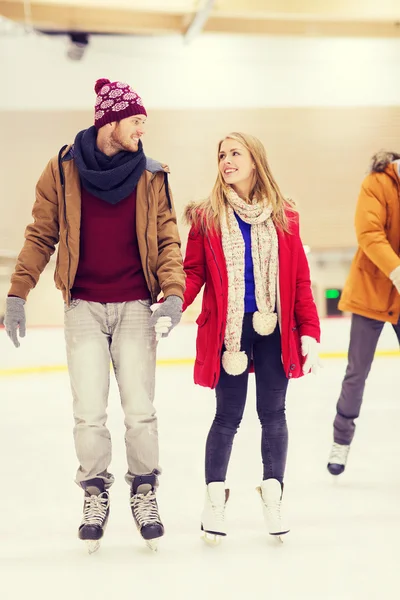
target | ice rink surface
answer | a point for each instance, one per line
(344, 540)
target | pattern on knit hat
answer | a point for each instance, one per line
(115, 101)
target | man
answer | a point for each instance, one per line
(110, 210)
(371, 292)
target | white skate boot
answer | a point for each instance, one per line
(338, 459)
(271, 497)
(213, 515)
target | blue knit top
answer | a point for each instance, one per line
(250, 304)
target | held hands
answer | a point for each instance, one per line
(395, 277)
(14, 319)
(166, 316)
(309, 349)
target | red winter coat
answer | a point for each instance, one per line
(205, 264)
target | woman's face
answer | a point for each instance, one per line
(236, 164)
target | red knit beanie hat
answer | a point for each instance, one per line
(115, 101)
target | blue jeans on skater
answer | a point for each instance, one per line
(231, 393)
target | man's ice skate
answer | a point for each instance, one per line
(271, 497)
(96, 508)
(145, 509)
(338, 458)
(213, 516)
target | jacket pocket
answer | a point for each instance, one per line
(296, 357)
(203, 318)
(202, 336)
(370, 288)
(146, 303)
(73, 304)
(365, 264)
(57, 278)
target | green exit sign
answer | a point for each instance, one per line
(332, 294)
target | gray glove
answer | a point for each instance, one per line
(166, 316)
(15, 317)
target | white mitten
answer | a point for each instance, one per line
(309, 349)
(395, 277)
(162, 325)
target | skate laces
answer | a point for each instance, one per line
(218, 511)
(274, 508)
(95, 509)
(145, 508)
(339, 454)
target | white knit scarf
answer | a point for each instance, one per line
(264, 249)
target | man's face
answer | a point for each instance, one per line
(127, 133)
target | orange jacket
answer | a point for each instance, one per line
(368, 290)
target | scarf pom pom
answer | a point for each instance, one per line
(234, 363)
(264, 323)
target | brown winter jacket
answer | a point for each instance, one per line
(369, 291)
(57, 213)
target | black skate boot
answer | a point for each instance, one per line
(145, 509)
(96, 509)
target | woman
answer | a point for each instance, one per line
(258, 314)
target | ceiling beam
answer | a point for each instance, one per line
(63, 17)
(52, 16)
(199, 20)
(303, 28)
(158, 6)
(355, 10)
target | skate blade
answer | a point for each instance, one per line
(92, 545)
(212, 539)
(152, 544)
(279, 536)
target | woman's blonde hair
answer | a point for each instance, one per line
(208, 213)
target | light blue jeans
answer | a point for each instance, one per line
(96, 334)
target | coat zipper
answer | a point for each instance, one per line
(220, 276)
(62, 180)
(67, 244)
(153, 298)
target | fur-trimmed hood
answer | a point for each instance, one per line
(382, 159)
(190, 212)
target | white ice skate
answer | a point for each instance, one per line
(338, 459)
(271, 498)
(213, 515)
